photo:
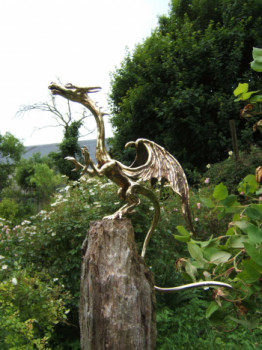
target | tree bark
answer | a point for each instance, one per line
(117, 300)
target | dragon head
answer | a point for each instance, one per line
(72, 92)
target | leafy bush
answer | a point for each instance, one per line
(231, 172)
(185, 326)
(235, 256)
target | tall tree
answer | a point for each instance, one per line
(71, 121)
(11, 150)
(176, 88)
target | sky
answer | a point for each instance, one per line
(80, 42)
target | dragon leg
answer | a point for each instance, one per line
(139, 189)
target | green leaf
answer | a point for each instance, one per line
(254, 212)
(196, 252)
(182, 238)
(220, 192)
(248, 185)
(236, 242)
(246, 96)
(256, 66)
(247, 324)
(256, 98)
(254, 253)
(191, 270)
(256, 53)
(183, 231)
(259, 191)
(207, 202)
(212, 307)
(241, 89)
(251, 271)
(230, 201)
(254, 233)
(220, 257)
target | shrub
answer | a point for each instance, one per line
(231, 172)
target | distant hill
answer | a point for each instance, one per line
(44, 150)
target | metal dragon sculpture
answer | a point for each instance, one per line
(152, 162)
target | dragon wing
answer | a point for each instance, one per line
(154, 162)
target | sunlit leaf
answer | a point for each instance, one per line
(241, 89)
(220, 192)
(236, 242)
(256, 53)
(183, 231)
(220, 257)
(182, 238)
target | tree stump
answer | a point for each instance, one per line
(117, 300)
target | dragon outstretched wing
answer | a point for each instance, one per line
(154, 162)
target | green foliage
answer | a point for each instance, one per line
(11, 150)
(68, 147)
(233, 255)
(29, 189)
(253, 108)
(256, 64)
(231, 172)
(30, 307)
(177, 84)
(185, 326)
(9, 210)
(31, 302)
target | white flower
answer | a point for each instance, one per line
(4, 267)
(208, 166)
(26, 222)
(55, 279)
(230, 153)
(14, 281)
(1, 257)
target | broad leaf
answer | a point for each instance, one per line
(220, 257)
(254, 212)
(247, 324)
(241, 89)
(220, 192)
(256, 98)
(254, 253)
(254, 233)
(236, 242)
(251, 272)
(256, 66)
(183, 231)
(256, 53)
(207, 202)
(196, 252)
(183, 239)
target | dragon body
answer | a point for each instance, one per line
(152, 162)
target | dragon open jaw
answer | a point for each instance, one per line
(72, 92)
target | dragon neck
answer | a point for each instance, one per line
(102, 155)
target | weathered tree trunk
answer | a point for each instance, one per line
(117, 301)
